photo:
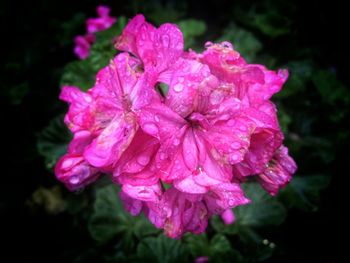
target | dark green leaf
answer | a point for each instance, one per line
(303, 191)
(161, 249)
(52, 141)
(191, 28)
(109, 219)
(263, 210)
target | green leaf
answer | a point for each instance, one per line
(244, 41)
(80, 74)
(263, 210)
(109, 219)
(303, 191)
(300, 73)
(218, 249)
(331, 90)
(52, 141)
(190, 29)
(161, 249)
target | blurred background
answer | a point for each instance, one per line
(42, 222)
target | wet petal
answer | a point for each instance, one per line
(107, 148)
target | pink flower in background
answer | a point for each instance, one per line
(215, 126)
(83, 45)
(93, 25)
(103, 22)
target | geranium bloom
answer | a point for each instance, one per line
(179, 157)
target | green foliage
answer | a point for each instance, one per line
(243, 40)
(52, 141)
(304, 191)
(191, 28)
(161, 249)
(109, 218)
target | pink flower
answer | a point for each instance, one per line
(214, 127)
(83, 45)
(103, 22)
(278, 171)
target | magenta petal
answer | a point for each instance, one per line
(80, 141)
(159, 121)
(75, 172)
(137, 166)
(188, 185)
(225, 196)
(144, 193)
(133, 206)
(78, 116)
(278, 172)
(107, 148)
(184, 85)
(159, 48)
(127, 41)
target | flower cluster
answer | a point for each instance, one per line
(180, 154)
(93, 25)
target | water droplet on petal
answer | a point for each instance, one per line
(178, 87)
(235, 145)
(231, 202)
(143, 159)
(231, 122)
(165, 40)
(156, 118)
(234, 158)
(176, 142)
(208, 44)
(162, 156)
(226, 44)
(150, 128)
(74, 180)
(243, 128)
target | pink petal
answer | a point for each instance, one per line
(137, 166)
(78, 116)
(107, 148)
(133, 206)
(278, 172)
(225, 196)
(75, 172)
(149, 193)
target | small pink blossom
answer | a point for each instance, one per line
(83, 45)
(103, 22)
(93, 25)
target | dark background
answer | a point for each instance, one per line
(35, 47)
